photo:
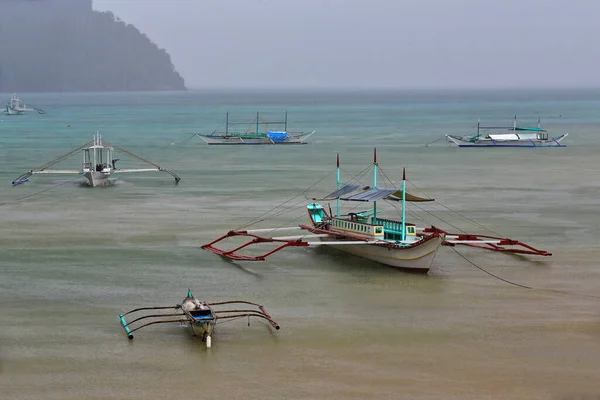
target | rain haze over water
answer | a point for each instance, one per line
(72, 258)
(378, 43)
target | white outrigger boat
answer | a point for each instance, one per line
(396, 243)
(256, 137)
(98, 164)
(16, 106)
(519, 136)
(202, 317)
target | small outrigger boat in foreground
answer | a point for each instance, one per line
(98, 164)
(518, 137)
(256, 137)
(200, 316)
(392, 242)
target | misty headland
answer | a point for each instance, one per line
(66, 46)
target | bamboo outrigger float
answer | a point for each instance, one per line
(98, 164)
(200, 316)
(396, 243)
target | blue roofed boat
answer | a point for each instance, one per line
(517, 136)
(257, 132)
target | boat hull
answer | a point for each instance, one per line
(508, 143)
(12, 111)
(202, 329)
(416, 258)
(236, 140)
(97, 178)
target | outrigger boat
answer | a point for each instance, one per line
(396, 243)
(519, 137)
(256, 137)
(202, 317)
(16, 106)
(98, 164)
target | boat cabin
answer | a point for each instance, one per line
(97, 157)
(359, 224)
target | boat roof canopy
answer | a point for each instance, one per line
(513, 128)
(397, 196)
(356, 192)
(371, 194)
(347, 188)
(525, 128)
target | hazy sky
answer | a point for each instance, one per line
(373, 43)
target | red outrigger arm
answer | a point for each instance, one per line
(233, 255)
(486, 242)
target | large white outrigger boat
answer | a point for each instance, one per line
(98, 164)
(508, 136)
(16, 106)
(393, 242)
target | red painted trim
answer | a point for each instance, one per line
(518, 247)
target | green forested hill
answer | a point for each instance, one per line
(89, 51)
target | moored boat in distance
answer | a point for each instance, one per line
(390, 241)
(202, 317)
(98, 164)
(254, 136)
(16, 106)
(518, 136)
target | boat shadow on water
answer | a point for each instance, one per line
(242, 267)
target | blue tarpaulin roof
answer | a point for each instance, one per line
(372, 194)
(347, 188)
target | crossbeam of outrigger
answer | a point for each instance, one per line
(486, 242)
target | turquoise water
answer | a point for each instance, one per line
(72, 258)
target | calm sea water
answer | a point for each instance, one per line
(72, 258)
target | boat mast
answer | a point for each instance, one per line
(374, 182)
(515, 124)
(403, 204)
(285, 126)
(257, 122)
(96, 139)
(227, 123)
(337, 209)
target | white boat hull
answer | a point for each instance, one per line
(12, 111)
(554, 142)
(417, 258)
(202, 328)
(97, 178)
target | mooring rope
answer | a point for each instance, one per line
(563, 292)
(436, 140)
(489, 273)
(36, 193)
(186, 140)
